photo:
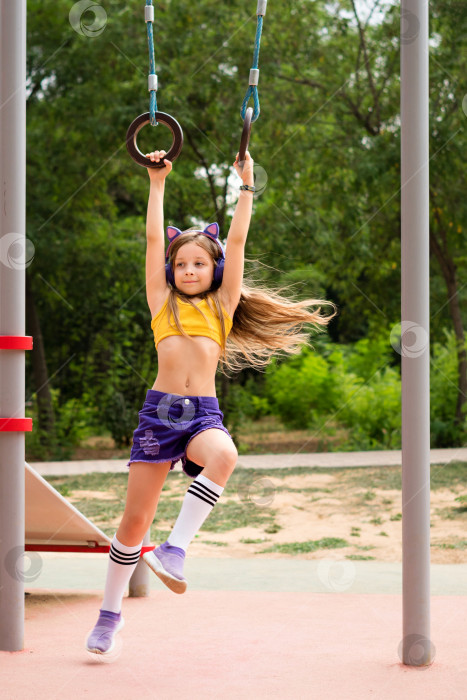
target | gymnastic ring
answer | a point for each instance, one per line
(138, 124)
(245, 140)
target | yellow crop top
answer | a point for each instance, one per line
(192, 321)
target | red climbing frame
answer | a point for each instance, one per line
(15, 342)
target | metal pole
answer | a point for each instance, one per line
(12, 316)
(415, 351)
(139, 582)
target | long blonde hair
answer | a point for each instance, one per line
(265, 323)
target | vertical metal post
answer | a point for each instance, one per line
(415, 351)
(12, 316)
(139, 581)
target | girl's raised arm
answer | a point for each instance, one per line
(240, 223)
(156, 284)
(236, 238)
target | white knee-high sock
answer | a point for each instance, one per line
(122, 563)
(199, 500)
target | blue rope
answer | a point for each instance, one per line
(253, 89)
(152, 71)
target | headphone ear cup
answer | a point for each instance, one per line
(169, 275)
(219, 272)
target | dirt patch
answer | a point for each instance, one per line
(342, 513)
(267, 440)
(101, 495)
(326, 507)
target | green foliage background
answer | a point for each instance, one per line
(328, 221)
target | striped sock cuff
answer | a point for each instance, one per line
(121, 557)
(201, 490)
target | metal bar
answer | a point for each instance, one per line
(90, 549)
(12, 316)
(139, 585)
(415, 329)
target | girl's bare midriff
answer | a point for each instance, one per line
(187, 366)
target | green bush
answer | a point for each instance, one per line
(356, 387)
(370, 393)
(371, 411)
(118, 416)
(443, 394)
(353, 385)
(72, 424)
(243, 404)
(369, 355)
(301, 389)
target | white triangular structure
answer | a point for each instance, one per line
(54, 524)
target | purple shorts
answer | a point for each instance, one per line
(167, 424)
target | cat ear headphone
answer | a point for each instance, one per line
(212, 232)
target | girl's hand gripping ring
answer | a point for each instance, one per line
(245, 140)
(138, 124)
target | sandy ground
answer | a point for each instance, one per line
(315, 506)
(366, 525)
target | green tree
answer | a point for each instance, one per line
(328, 141)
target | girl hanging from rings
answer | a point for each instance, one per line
(202, 314)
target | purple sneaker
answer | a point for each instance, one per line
(167, 563)
(102, 638)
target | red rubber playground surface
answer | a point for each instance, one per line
(235, 645)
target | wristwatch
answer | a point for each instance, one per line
(250, 188)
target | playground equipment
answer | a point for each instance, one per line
(415, 313)
(249, 114)
(53, 524)
(12, 314)
(153, 117)
(415, 316)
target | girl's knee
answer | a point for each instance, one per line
(227, 455)
(134, 525)
(224, 460)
